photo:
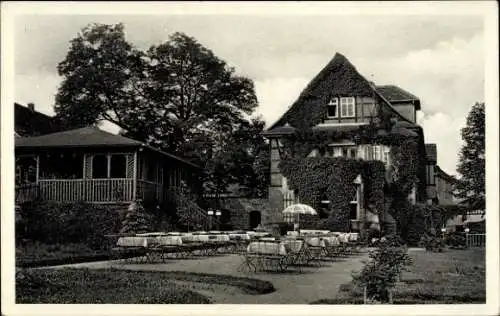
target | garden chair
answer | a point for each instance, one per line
(315, 249)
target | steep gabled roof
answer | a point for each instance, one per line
(339, 77)
(395, 94)
(86, 137)
(29, 122)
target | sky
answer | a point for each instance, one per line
(439, 58)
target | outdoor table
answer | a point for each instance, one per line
(294, 245)
(267, 238)
(239, 236)
(343, 237)
(265, 254)
(132, 248)
(332, 240)
(160, 246)
(316, 248)
(168, 240)
(174, 234)
(353, 237)
(239, 241)
(308, 232)
(153, 234)
(132, 241)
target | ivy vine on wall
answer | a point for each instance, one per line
(316, 178)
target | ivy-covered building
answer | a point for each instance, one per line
(347, 147)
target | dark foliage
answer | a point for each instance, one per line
(471, 186)
(381, 273)
(63, 223)
(332, 178)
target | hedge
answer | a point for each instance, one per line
(64, 223)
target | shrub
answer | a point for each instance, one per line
(77, 222)
(136, 219)
(381, 273)
(456, 241)
(432, 243)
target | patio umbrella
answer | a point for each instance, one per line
(300, 209)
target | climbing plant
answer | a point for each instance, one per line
(319, 177)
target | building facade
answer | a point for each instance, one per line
(29, 122)
(339, 100)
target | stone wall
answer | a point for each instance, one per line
(240, 219)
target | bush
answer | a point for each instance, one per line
(136, 219)
(456, 241)
(432, 243)
(383, 270)
(63, 223)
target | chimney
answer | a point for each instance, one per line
(31, 106)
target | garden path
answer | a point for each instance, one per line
(314, 283)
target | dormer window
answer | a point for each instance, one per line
(333, 108)
(347, 107)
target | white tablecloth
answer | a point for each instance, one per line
(315, 242)
(154, 234)
(267, 248)
(168, 240)
(295, 245)
(331, 240)
(308, 232)
(239, 236)
(132, 242)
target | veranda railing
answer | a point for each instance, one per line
(90, 190)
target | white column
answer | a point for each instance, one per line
(37, 168)
(108, 156)
(134, 176)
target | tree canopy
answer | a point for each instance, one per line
(177, 96)
(470, 187)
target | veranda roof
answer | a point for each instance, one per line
(86, 137)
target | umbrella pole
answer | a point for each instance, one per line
(298, 223)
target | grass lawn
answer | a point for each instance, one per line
(36, 253)
(84, 286)
(450, 277)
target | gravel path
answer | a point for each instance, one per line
(312, 284)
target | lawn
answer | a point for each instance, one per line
(110, 286)
(37, 253)
(450, 277)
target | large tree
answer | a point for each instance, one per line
(470, 187)
(96, 73)
(177, 96)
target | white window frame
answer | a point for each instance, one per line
(333, 101)
(347, 104)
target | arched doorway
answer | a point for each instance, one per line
(255, 218)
